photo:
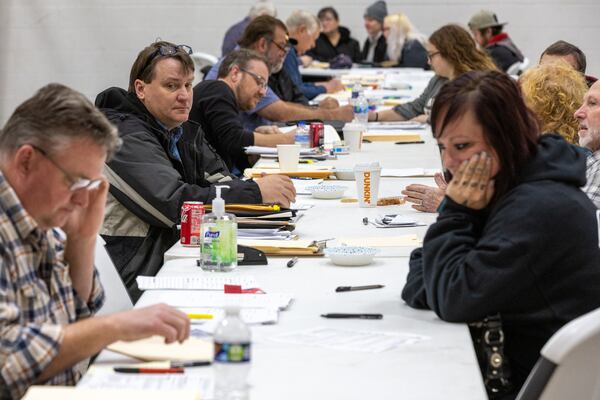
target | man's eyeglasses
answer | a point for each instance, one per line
(432, 54)
(285, 48)
(75, 183)
(260, 81)
(168, 50)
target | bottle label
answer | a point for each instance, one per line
(232, 352)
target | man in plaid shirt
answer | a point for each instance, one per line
(589, 136)
(52, 154)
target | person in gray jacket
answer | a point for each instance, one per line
(164, 161)
(451, 51)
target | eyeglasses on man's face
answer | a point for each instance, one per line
(285, 47)
(74, 182)
(260, 81)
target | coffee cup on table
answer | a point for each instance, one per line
(353, 135)
(289, 157)
(367, 183)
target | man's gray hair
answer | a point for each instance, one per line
(301, 17)
(241, 58)
(52, 118)
(262, 7)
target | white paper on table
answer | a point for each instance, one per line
(396, 241)
(125, 393)
(194, 282)
(273, 150)
(249, 315)
(300, 205)
(408, 172)
(349, 340)
(408, 125)
(197, 298)
(102, 377)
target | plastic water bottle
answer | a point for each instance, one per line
(303, 135)
(356, 91)
(232, 356)
(361, 110)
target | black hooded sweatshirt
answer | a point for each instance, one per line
(532, 256)
(325, 51)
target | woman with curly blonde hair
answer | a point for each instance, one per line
(451, 51)
(554, 92)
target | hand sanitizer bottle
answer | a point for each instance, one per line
(218, 248)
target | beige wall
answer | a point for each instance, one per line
(91, 44)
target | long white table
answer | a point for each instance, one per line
(443, 365)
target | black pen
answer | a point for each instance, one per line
(359, 316)
(415, 142)
(292, 262)
(353, 288)
(190, 364)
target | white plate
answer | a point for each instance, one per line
(326, 191)
(351, 255)
(344, 174)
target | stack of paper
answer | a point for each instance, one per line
(283, 247)
(258, 150)
(191, 298)
(251, 316)
(396, 221)
(155, 349)
(396, 125)
(307, 171)
(123, 393)
(385, 135)
(194, 282)
(265, 234)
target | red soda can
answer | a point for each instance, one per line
(317, 134)
(191, 219)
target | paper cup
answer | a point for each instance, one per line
(367, 183)
(353, 133)
(289, 155)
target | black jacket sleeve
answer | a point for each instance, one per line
(223, 126)
(143, 164)
(470, 267)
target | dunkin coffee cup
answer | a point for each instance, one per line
(353, 135)
(367, 183)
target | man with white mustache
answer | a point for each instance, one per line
(589, 137)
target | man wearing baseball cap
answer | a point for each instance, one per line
(487, 32)
(375, 48)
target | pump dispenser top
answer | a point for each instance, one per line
(218, 204)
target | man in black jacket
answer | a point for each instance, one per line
(163, 162)
(487, 32)
(242, 82)
(375, 48)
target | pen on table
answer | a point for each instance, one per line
(353, 288)
(359, 316)
(415, 142)
(190, 364)
(292, 262)
(199, 316)
(128, 370)
(306, 161)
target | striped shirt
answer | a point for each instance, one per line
(37, 299)
(592, 186)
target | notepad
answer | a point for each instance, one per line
(304, 171)
(155, 349)
(194, 282)
(200, 298)
(384, 135)
(282, 247)
(76, 393)
(395, 241)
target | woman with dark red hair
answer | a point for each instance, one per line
(515, 236)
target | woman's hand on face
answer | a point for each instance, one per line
(472, 185)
